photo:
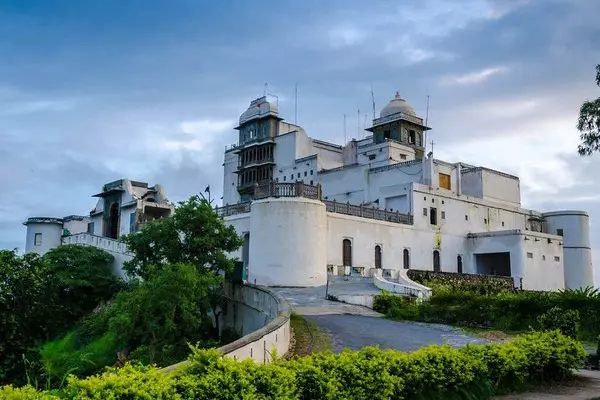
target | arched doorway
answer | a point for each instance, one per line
(406, 259)
(436, 261)
(378, 256)
(113, 221)
(347, 253)
(459, 267)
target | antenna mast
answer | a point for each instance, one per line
(425, 131)
(296, 104)
(373, 100)
(344, 129)
(358, 123)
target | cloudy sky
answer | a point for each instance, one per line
(96, 90)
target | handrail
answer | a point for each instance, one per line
(398, 288)
(405, 280)
(368, 212)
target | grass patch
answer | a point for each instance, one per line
(309, 338)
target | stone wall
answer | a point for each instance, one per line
(262, 316)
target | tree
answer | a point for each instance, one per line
(25, 303)
(194, 235)
(589, 123)
(43, 297)
(82, 278)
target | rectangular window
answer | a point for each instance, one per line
(311, 171)
(403, 156)
(443, 214)
(372, 157)
(559, 232)
(466, 217)
(284, 177)
(305, 173)
(485, 220)
(502, 223)
(425, 211)
(556, 258)
(433, 216)
(37, 239)
(529, 255)
(445, 181)
(291, 177)
(90, 228)
(311, 183)
(298, 175)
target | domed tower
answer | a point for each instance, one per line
(399, 122)
(258, 126)
(574, 226)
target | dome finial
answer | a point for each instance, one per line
(397, 94)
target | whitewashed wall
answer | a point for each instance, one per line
(51, 234)
(577, 248)
(287, 242)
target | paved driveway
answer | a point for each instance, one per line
(355, 327)
(357, 331)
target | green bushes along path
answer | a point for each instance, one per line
(434, 372)
(507, 311)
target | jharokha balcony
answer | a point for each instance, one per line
(300, 189)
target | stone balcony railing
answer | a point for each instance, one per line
(101, 242)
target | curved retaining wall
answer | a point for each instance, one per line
(262, 316)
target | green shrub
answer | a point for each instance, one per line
(566, 321)
(434, 372)
(509, 311)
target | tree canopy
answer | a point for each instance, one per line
(43, 297)
(194, 235)
(589, 123)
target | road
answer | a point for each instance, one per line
(355, 327)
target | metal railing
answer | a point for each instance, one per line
(300, 189)
(296, 189)
(368, 212)
(233, 209)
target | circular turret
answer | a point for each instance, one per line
(280, 256)
(43, 234)
(574, 226)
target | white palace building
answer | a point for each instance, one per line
(377, 206)
(306, 207)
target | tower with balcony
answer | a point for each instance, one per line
(398, 123)
(258, 127)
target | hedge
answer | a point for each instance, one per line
(482, 284)
(505, 311)
(433, 372)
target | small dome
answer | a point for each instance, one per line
(258, 108)
(398, 104)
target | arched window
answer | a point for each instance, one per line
(436, 261)
(406, 259)
(347, 252)
(378, 256)
(459, 267)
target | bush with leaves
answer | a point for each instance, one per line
(566, 321)
(152, 322)
(433, 372)
(43, 297)
(507, 311)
